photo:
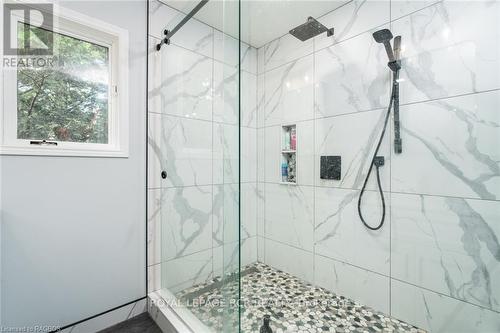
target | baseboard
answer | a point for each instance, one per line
(109, 319)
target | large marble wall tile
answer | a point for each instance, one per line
(226, 50)
(261, 101)
(225, 214)
(438, 313)
(340, 234)
(455, 142)
(448, 53)
(248, 97)
(248, 154)
(154, 226)
(354, 137)
(401, 8)
(289, 92)
(351, 76)
(272, 154)
(289, 215)
(225, 154)
(261, 249)
(449, 245)
(248, 209)
(249, 58)
(226, 98)
(352, 19)
(226, 226)
(183, 148)
(194, 35)
(289, 259)
(184, 272)
(261, 205)
(226, 257)
(186, 220)
(261, 66)
(285, 49)
(362, 286)
(261, 150)
(184, 87)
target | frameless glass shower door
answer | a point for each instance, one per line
(194, 168)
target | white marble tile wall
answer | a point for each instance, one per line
(436, 261)
(193, 136)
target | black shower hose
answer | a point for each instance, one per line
(393, 92)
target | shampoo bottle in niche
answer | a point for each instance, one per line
(284, 171)
(293, 139)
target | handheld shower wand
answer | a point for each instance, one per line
(384, 36)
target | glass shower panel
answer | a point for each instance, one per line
(227, 222)
(197, 133)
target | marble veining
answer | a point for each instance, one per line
(289, 92)
(340, 235)
(439, 40)
(457, 242)
(185, 86)
(289, 214)
(466, 157)
(333, 133)
(186, 220)
(180, 148)
(438, 313)
(346, 82)
(351, 19)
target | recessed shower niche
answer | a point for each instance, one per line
(288, 167)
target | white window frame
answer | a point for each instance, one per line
(73, 24)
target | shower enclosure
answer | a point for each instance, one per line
(260, 139)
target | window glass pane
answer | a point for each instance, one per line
(68, 100)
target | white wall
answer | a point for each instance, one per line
(436, 261)
(73, 236)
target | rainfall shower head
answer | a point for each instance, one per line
(310, 29)
(384, 36)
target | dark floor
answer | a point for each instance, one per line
(139, 324)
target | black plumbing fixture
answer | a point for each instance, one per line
(310, 29)
(384, 36)
(169, 33)
(266, 328)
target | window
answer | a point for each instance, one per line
(71, 103)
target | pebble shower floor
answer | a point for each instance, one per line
(294, 306)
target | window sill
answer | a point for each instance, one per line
(61, 152)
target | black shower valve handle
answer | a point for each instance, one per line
(379, 161)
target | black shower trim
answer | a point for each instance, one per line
(97, 315)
